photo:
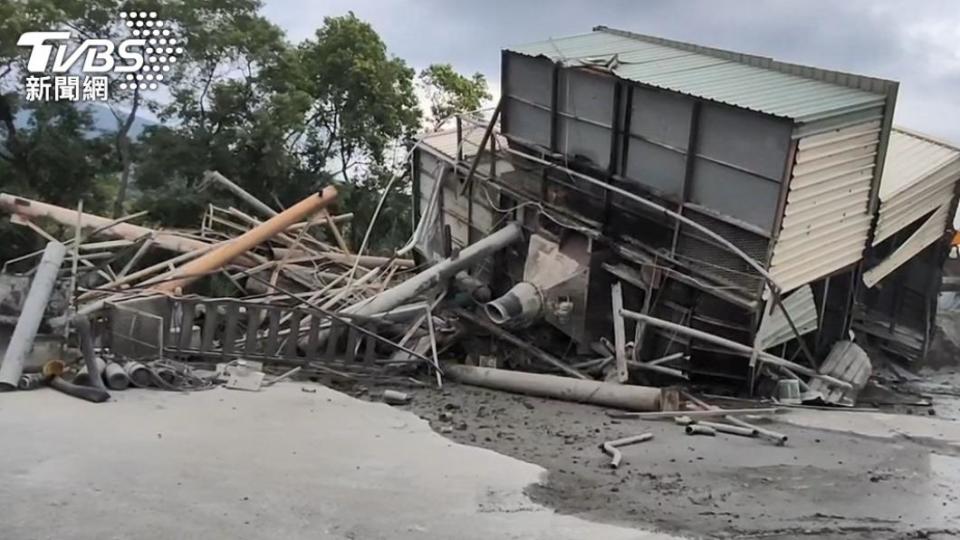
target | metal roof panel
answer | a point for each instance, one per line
(745, 81)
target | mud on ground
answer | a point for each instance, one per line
(823, 484)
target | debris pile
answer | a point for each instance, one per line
(292, 297)
(755, 249)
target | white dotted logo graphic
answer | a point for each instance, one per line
(162, 49)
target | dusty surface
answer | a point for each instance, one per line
(898, 477)
(280, 463)
(284, 463)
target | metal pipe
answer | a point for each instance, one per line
(116, 377)
(31, 315)
(220, 257)
(692, 414)
(93, 364)
(254, 202)
(30, 381)
(739, 347)
(345, 259)
(700, 429)
(438, 273)
(522, 303)
(621, 396)
(727, 428)
(778, 438)
(92, 377)
(138, 373)
(774, 436)
(611, 447)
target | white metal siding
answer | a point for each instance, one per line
(928, 233)
(774, 329)
(920, 175)
(826, 220)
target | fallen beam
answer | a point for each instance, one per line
(732, 345)
(67, 217)
(227, 252)
(439, 272)
(621, 396)
(692, 414)
(21, 342)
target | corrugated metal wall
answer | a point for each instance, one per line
(827, 219)
(929, 232)
(919, 176)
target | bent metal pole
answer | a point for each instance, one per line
(221, 256)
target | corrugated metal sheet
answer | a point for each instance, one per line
(721, 76)
(928, 233)
(920, 174)
(826, 221)
(774, 329)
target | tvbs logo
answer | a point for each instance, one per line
(97, 55)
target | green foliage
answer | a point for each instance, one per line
(449, 92)
(362, 98)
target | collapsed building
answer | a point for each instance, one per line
(730, 194)
(635, 210)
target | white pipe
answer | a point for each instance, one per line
(31, 315)
(628, 397)
(437, 273)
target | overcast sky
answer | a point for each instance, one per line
(915, 42)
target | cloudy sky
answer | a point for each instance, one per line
(915, 42)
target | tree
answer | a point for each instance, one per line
(449, 92)
(233, 107)
(48, 150)
(363, 99)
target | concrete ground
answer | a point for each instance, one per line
(281, 463)
(842, 475)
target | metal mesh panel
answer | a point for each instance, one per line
(706, 257)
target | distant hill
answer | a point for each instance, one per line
(103, 121)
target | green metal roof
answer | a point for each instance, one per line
(757, 83)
